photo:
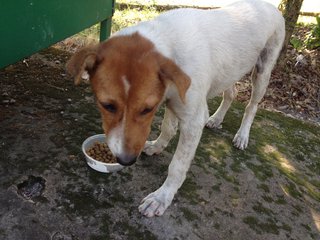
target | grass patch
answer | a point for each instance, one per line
(132, 16)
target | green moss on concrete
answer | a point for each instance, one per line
(189, 215)
(188, 191)
(264, 187)
(306, 226)
(292, 142)
(268, 226)
(3, 233)
(267, 198)
(260, 209)
(224, 212)
(280, 200)
(106, 224)
(292, 190)
(81, 203)
(118, 198)
(261, 171)
(298, 208)
(216, 187)
(131, 231)
(217, 226)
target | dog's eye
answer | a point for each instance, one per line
(109, 107)
(146, 111)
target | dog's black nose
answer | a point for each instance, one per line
(126, 160)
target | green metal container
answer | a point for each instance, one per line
(27, 26)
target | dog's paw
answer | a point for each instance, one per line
(214, 122)
(151, 148)
(241, 141)
(155, 204)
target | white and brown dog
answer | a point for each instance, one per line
(182, 58)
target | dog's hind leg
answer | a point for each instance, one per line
(168, 130)
(260, 81)
(217, 118)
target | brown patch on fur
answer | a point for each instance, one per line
(148, 73)
(170, 72)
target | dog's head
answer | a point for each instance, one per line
(129, 78)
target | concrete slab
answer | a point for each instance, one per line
(269, 191)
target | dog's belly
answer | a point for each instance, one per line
(218, 84)
(215, 90)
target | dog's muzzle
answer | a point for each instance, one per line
(126, 160)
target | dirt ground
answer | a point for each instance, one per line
(269, 191)
(295, 90)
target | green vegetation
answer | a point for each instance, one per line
(128, 13)
(313, 37)
(131, 16)
(124, 17)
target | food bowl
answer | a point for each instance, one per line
(95, 164)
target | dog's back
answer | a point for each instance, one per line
(215, 45)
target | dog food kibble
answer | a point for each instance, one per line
(100, 151)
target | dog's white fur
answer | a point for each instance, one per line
(215, 48)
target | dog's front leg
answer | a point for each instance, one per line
(168, 130)
(157, 202)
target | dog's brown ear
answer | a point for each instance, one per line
(169, 71)
(85, 59)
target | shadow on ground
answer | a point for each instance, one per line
(269, 191)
